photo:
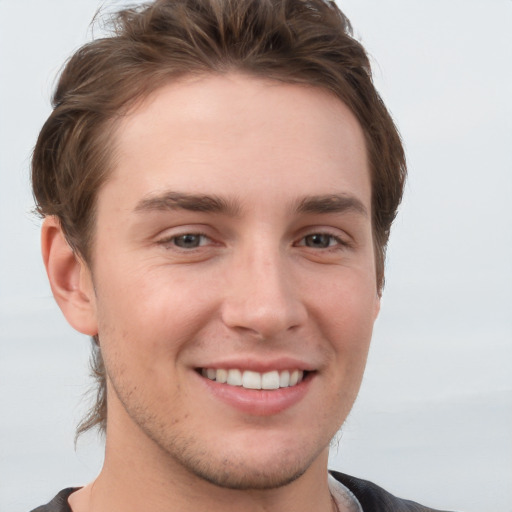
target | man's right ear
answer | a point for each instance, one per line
(70, 278)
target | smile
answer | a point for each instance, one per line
(254, 380)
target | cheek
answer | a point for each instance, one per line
(346, 322)
(151, 314)
(347, 309)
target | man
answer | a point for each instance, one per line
(218, 180)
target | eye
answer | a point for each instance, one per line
(187, 241)
(320, 241)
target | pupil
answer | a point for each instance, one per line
(318, 240)
(187, 241)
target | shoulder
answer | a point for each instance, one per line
(372, 497)
(59, 503)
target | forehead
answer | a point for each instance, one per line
(240, 135)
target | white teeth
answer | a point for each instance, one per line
(284, 379)
(254, 380)
(251, 380)
(234, 378)
(270, 380)
(222, 376)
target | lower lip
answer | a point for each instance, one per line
(259, 402)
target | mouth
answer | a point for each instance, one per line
(268, 392)
(248, 379)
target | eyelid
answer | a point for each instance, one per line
(343, 238)
(167, 239)
(339, 242)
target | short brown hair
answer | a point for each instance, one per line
(294, 41)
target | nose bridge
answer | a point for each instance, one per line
(261, 296)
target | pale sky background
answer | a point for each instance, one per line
(433, 421)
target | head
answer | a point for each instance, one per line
(292, 42)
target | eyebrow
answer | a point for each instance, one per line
(191, 202)
(331, 203)
(321, 204)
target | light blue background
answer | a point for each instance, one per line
(434, 418)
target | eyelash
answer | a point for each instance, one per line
(172, 240)
(338, 244)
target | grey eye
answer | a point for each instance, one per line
(188, 241)
(318, 241)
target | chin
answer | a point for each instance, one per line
(255, 467)
(241, 476)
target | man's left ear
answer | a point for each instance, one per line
(70, 278)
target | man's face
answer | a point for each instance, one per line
(234, 242)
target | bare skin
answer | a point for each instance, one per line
(233, 235)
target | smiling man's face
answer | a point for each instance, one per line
(233, 250)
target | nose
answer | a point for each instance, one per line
(261, 296)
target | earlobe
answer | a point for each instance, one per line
(69, 277)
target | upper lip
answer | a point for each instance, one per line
(260, 365)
